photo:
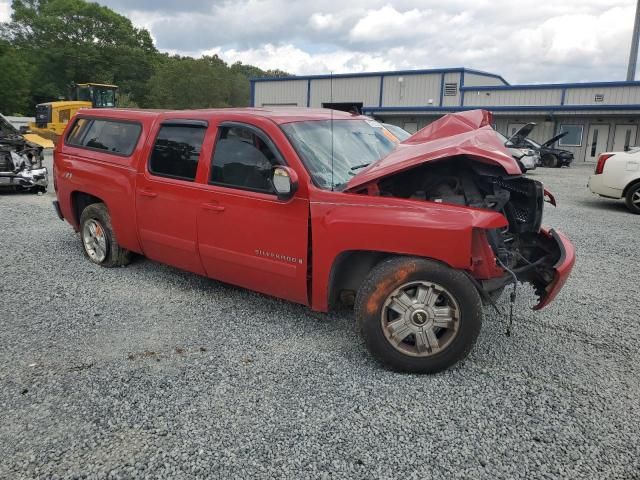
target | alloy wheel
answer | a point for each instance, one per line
(420, 318)
(94, 240)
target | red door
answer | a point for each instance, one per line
(168, 197)
(246, 236)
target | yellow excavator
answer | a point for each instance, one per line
(52, 117)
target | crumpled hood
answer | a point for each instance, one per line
(465, 133)
(553, 140)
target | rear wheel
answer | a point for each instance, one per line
(98, 239)
(418, 315)
(550, 161)
(632, 198)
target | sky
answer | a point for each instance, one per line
(526, 42)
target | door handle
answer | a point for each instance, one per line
(148, 193)
(214, 207)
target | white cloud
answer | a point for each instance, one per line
(324, 21)
(544, 41)
(5, 10)
(292, 59)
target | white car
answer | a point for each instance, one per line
(617, 175)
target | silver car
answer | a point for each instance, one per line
(527, 158)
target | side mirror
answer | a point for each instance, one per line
(285, 182)
(509, 144)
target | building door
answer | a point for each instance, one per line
(512, 128)
(596, 142)
(624, 137)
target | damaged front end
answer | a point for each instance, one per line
(522, 249)
(21, 165)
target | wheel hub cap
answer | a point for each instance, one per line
(420, 318)
(94, 240)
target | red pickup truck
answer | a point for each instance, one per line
(319, 208)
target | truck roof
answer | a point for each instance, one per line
(278, 115)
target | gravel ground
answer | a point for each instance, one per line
(147, 371)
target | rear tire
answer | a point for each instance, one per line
(418, 315)
(99, 241)
(550, 161)
(632, 199)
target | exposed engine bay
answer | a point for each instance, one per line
(520, 248)
(20, 161)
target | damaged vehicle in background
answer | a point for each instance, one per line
(415, 235)
(550, 156)
(527, 158)
(21, 166)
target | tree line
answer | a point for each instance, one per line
(48, 44)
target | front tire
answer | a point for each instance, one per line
(418, 315)
(632, 199)
(98, 239)
(550, 161)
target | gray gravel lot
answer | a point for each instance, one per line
(147, 371)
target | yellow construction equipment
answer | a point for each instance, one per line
(52, 117)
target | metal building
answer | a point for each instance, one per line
(599, 116)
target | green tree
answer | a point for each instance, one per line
(15, 78)
(240, 85)
(50, 43)
(185, 82)
(74, 40)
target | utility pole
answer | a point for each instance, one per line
(633, 54)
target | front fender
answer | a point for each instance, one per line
(351, 222)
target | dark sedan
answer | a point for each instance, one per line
(550, 156)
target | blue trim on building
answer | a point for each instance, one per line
(503, 108)
(463, 88)
(378, 74)
(538, 86)
(252, 93)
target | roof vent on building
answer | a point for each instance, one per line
(599, 97)
(450, 89)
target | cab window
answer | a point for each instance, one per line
(176, 151)
(244, 159)
(110, 136)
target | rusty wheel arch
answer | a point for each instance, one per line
(80, 201)
(349, 270)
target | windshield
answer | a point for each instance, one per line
(399, 132)
(356, 144)
(100, 97)
(104, 97)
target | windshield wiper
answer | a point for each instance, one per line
(358, 167)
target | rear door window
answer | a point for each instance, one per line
(177, 150)
(112, 136)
